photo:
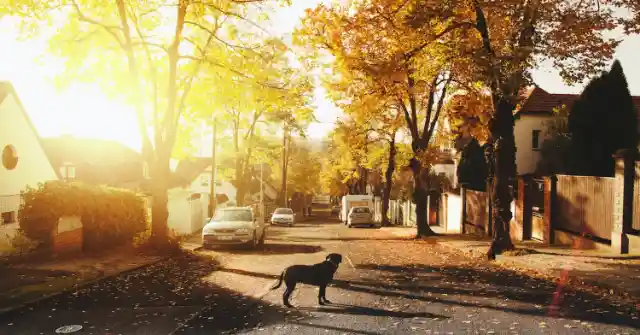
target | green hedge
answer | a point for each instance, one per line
(110, 216)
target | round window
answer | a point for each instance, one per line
(9, 157)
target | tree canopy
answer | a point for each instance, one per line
(603, 120)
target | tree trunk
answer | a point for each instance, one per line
(285, 161)
(504, 172)
(420, 196)
(388, 182)
(160, 201)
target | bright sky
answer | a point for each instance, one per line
(84, 111)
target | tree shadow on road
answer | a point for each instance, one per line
(274, 249)
(153, 300)
(489, 287)
(528, 295)
(334, 329)
(361, 310)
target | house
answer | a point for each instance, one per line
(24, 161)
(190, 190)
(96, 161)
(531, 121)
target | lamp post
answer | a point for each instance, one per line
(212, 190)
(262, 187)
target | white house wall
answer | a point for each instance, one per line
(449, 170)
(185, 216)
(33, 164)
(526, 157)
(222, 187)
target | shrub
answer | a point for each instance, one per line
(173, 245)
(110, 216)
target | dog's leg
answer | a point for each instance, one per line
(287, 294)
(322, 298)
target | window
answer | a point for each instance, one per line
(68, 172)
(283, 211)
(234, 215)
(8, 217)
(9, 157)
(204, 180)
(535, 139)
(361, 210)
(145, 170)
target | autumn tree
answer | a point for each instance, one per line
(250, 108)
(602, 121)
(373, 54)
(149, 53)
(376, 120)
(304, 169)
(498, 43)
(555, 152)
(468, 112)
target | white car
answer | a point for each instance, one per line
(360, 216)
(234, 225)
(283, 216)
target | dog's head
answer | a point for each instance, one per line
(334, 258)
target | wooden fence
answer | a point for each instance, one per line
(582, 211)
(585, 205)
(476, 210)
(636, 199)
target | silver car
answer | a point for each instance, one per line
(234, 225)
(283, 216)
(360, 216)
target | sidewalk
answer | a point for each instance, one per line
(612, 272)
(24, 284)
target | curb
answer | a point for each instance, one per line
(77, 286)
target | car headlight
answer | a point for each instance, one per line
(207, 230)
(244, 231)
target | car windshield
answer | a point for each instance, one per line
(283, 211)
(361, 210)
(233, 215)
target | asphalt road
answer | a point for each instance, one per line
(385, 285)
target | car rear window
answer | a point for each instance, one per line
(283, 211)
(233, 215)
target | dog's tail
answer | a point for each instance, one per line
(279, 283)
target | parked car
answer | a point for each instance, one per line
(284, 216)
(234, 226)
(360, 216)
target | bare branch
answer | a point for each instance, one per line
(447, 30)
(112, 30)
(215, 36)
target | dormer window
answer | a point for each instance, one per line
(145, 171)
(204, 180)
(68, 171)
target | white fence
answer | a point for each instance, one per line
(402, 213)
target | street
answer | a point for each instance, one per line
(386, 284)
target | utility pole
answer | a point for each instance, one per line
(284, 163)
(212, 190)
(262, 188)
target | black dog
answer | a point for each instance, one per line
(320, 275)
